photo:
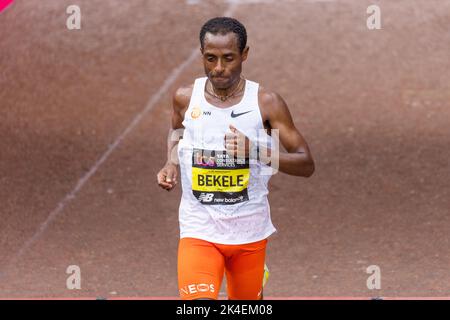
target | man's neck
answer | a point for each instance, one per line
(224, 92)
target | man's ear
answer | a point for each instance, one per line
(201, 50)
(245, 53)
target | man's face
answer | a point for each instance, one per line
(222, 59)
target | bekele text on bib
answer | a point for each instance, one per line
(219, 178)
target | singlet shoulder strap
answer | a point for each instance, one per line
(197, 92)
(251, 94)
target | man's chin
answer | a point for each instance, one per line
(220, 83)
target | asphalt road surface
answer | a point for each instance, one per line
(83, 121)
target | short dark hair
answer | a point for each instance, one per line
(224, 25)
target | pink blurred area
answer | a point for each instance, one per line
(4, 4)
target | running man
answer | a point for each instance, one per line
(224, 212)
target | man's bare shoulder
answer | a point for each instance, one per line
(182, 96)
(270, 102)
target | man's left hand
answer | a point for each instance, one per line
(236, 143)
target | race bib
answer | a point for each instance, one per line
(218, 178)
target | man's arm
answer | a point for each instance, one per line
(297, 160)
(180, 102)
(167, 176)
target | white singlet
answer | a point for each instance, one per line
(224, 199)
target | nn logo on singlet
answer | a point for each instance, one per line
(197, 112)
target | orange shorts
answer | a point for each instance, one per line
(201, 266)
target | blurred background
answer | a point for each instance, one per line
(83, 121)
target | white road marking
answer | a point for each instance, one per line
(85, 178)
(71, 195)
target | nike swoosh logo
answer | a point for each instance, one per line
(234, 115)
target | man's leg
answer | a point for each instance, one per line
(245, 271)
(200, 269)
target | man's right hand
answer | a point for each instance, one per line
(167, 176)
